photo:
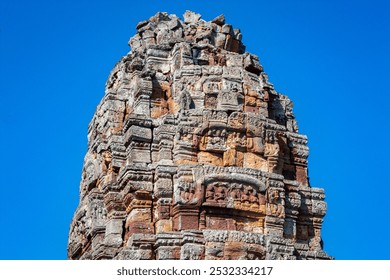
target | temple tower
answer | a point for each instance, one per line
(193, 154)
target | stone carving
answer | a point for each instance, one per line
(192, 154)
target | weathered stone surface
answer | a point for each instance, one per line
(192, 154)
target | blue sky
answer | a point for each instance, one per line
(330, 57)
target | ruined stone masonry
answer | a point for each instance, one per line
(192, 154)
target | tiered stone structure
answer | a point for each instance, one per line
(194, 155)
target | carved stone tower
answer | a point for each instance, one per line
(192, 154)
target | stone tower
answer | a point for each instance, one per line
(192, 154)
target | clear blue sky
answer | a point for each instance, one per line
(332, 58)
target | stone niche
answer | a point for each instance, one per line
(193, 154)
(221, 201)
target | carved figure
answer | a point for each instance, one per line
(210, 192)
(220, 194)
(245, 196)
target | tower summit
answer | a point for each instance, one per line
(193, 154)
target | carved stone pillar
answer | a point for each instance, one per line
(168, 246)
(274, 221)
(139, 214)
(293, 202)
